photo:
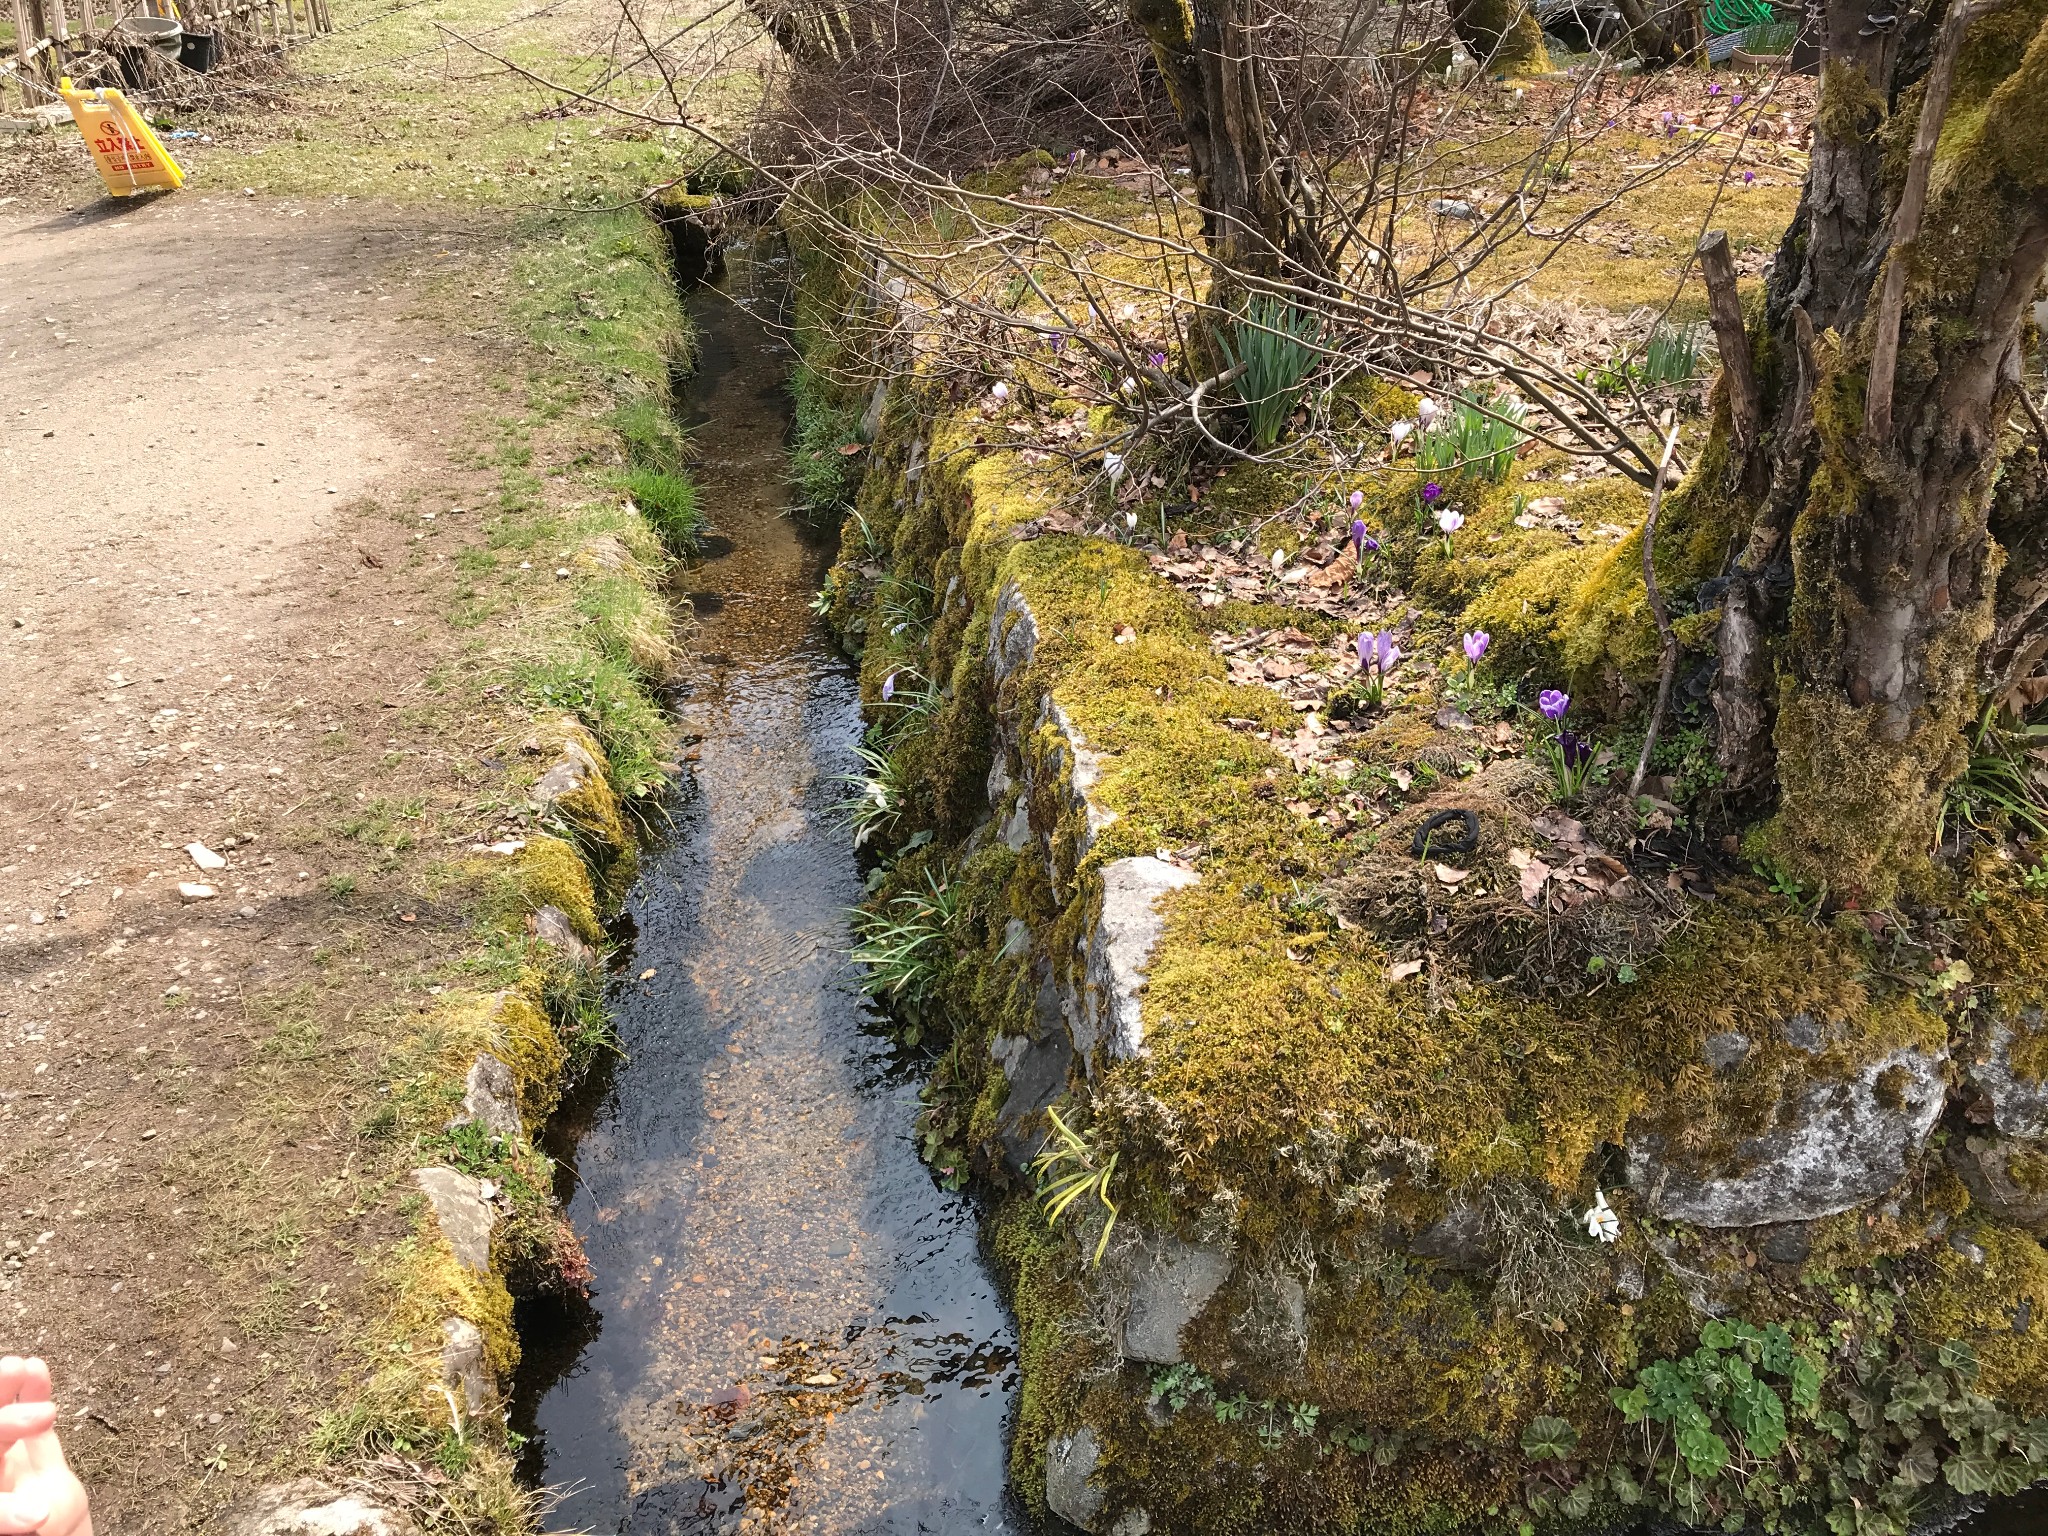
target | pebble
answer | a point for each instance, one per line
(205, 857)
(192, 890)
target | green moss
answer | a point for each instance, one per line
(1982, 1304)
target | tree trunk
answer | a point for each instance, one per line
(1205, 53)
(1877, 644)
(1502, 34)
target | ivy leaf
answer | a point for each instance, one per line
(1921, 1463)
(1625, 1488)
(1548, 1438)
(1957, 1356)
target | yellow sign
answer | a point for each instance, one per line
(124, 149)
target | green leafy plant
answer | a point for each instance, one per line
(903, 946)
(874, 797)
(1476, 437)
(2003, 781)
(1177, 1386)
(669, 502)
(1069, 1166)
(1274, 342)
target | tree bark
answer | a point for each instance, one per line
(1869, 671)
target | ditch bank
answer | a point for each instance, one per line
(1319, 1165)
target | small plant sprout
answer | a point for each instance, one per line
(1069, 1166)
(1601, 1221)
(1377, 655)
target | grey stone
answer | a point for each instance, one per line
(1171, 1281)
(1803, 1032)
(1458, 1240)
(1017, 830)
(1840, 1144)
(464, 1215)
(1036, 1070)
(1727, 1050)
(306, 1507)
(1016, 939)
(1132, 1522)
(1791, 1245)
(463, 1365)
(1985, 1165)
(491, 1097)
(1070, 1461)
(1012, 634)
(2019, 1105)
(1109, 1014)
(568, 774)
(551, 926)
(1966, 1248)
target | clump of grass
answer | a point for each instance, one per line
(669, 503)
(825, 469)
(606, 694)
(1274, 342)
(1476, 437)
(904, 946)
(874, 796)
(2000, 783)
(1069, 1166)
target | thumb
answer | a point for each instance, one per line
(23, 1512)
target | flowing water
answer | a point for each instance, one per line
(791, 1327)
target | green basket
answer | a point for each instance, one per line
(1725, 16)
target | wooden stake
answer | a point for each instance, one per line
(1724, 309)
(1668, 669)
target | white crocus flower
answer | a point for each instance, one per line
(1000, 390)
(1113, 466)
(1400, 432)
(1427, 411)
(1601, 1222)
(1130, 385)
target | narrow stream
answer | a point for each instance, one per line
(791, 1329)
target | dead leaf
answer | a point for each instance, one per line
(1337, 572)
(1451, 876)
(1560, 828)
(1125, 634)
(1403, 970)
(848, 450)
(1535, 873)
(1402, 778)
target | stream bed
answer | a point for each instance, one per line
(791, 1327)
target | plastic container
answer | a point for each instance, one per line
(165, 34)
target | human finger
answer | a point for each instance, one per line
(23, 1512)
(35, 1380)
(20, 1420)
(12, 1369)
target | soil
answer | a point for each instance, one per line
(221, 608)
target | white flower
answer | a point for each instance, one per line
(1427, 411)
(1400, 432)
(1000, 390)
(1130, 385)
(1113, 466)
(1601, 1222)
(1131, 520)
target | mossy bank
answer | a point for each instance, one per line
(1332, 1127)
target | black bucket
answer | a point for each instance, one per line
(200, 51)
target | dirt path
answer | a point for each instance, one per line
(219, 601)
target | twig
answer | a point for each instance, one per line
(1668, 666)
(1717, 267)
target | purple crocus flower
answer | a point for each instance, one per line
(1574, 749)
(1476, 644)
(1714, 89)
(889, 687)
(1748, 177)
(1156, 359)
(1358, 537)
(1553, 703)
(1377, 651)
(1357, 500)
(1059, 342)
(1430, 492)
(1735, 100)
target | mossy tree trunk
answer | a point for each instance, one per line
(1861, 618)
(1206, 53)
(1502, 34)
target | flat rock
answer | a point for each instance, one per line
(551, 926)
(1840, 1144)
(1171, 1281)
(1109, 1013)
(2007, 1176)
(1070, 1461)
(464, 1215)
(1036, 1069)
(463, 1364)
(491, 1097)
(308, 1508)
(1457, 1241)
(2019, 1105)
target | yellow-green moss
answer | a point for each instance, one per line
(552, 874)
(1981, 1304)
